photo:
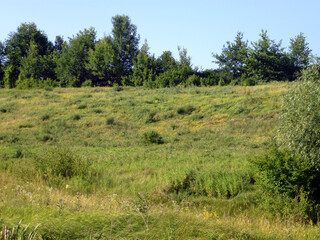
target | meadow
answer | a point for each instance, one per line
(135, 163)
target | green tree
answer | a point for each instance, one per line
(233, 57)
(143, 70)
(37, 66)
(126, 44)
(100, 62)
(165, 62)
(178, 73)
(71, 65)
(2, 58)
(59, 43)
(299, 52)
(267, 60)
(18, 44)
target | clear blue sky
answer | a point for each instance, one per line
(201, 26)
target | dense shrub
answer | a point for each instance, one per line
(185, 110)
(299, 130)
(152, 137)
(87, 83)
(61, 163)
(289, 175)
(288, 181)
(110, 121)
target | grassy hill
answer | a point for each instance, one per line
(86, 163)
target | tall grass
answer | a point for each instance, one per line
(79, 178)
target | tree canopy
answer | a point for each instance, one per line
(28, 58)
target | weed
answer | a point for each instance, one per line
(110, 121)
(82, 106)
(185, 110)
(76, 117)
(45, 117)
(19, 232)
(3, 110)
(117, 88)
(142, 207)
(26, 125)
(152, 137)
(97, 111)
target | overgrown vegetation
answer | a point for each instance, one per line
(290, 173)
(105, 175)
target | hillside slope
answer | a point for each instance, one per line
(82, 162)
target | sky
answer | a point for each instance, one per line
(200, 26)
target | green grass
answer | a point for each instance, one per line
(197, 184)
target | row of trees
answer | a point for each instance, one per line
(29, 59)
(265, 59)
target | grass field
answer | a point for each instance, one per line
(84, 163)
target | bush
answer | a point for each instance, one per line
(221, 82)
(110, 121)
(185, 110)
(288, 180)
(45, 117)
(76, 117)
(87, 83)
(117, 88)
(61, 163)
(299, 131)
(152, 137)
(82, 106)
(289, 175)
(193, 80)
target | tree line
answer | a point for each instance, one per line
(28, 59)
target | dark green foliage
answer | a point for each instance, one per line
(110, 121)
(18, 153)
(45, 117)
(289, 175)
(125, 41)
(37, 66)
(299, 52)
(233, 57)
(29, 60)
(71, 64)
(144, 68)
(27, 125)
(101, 62)
(282, 175)
(281, 172)
(97, 111)
(82, 106)
(19, 45)
(193, 80)
(2, 58)
(45, 137)
(185, 110)
(59, 43)
(268, 61)
(3, 110)
(76, 117)
(152, 137)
